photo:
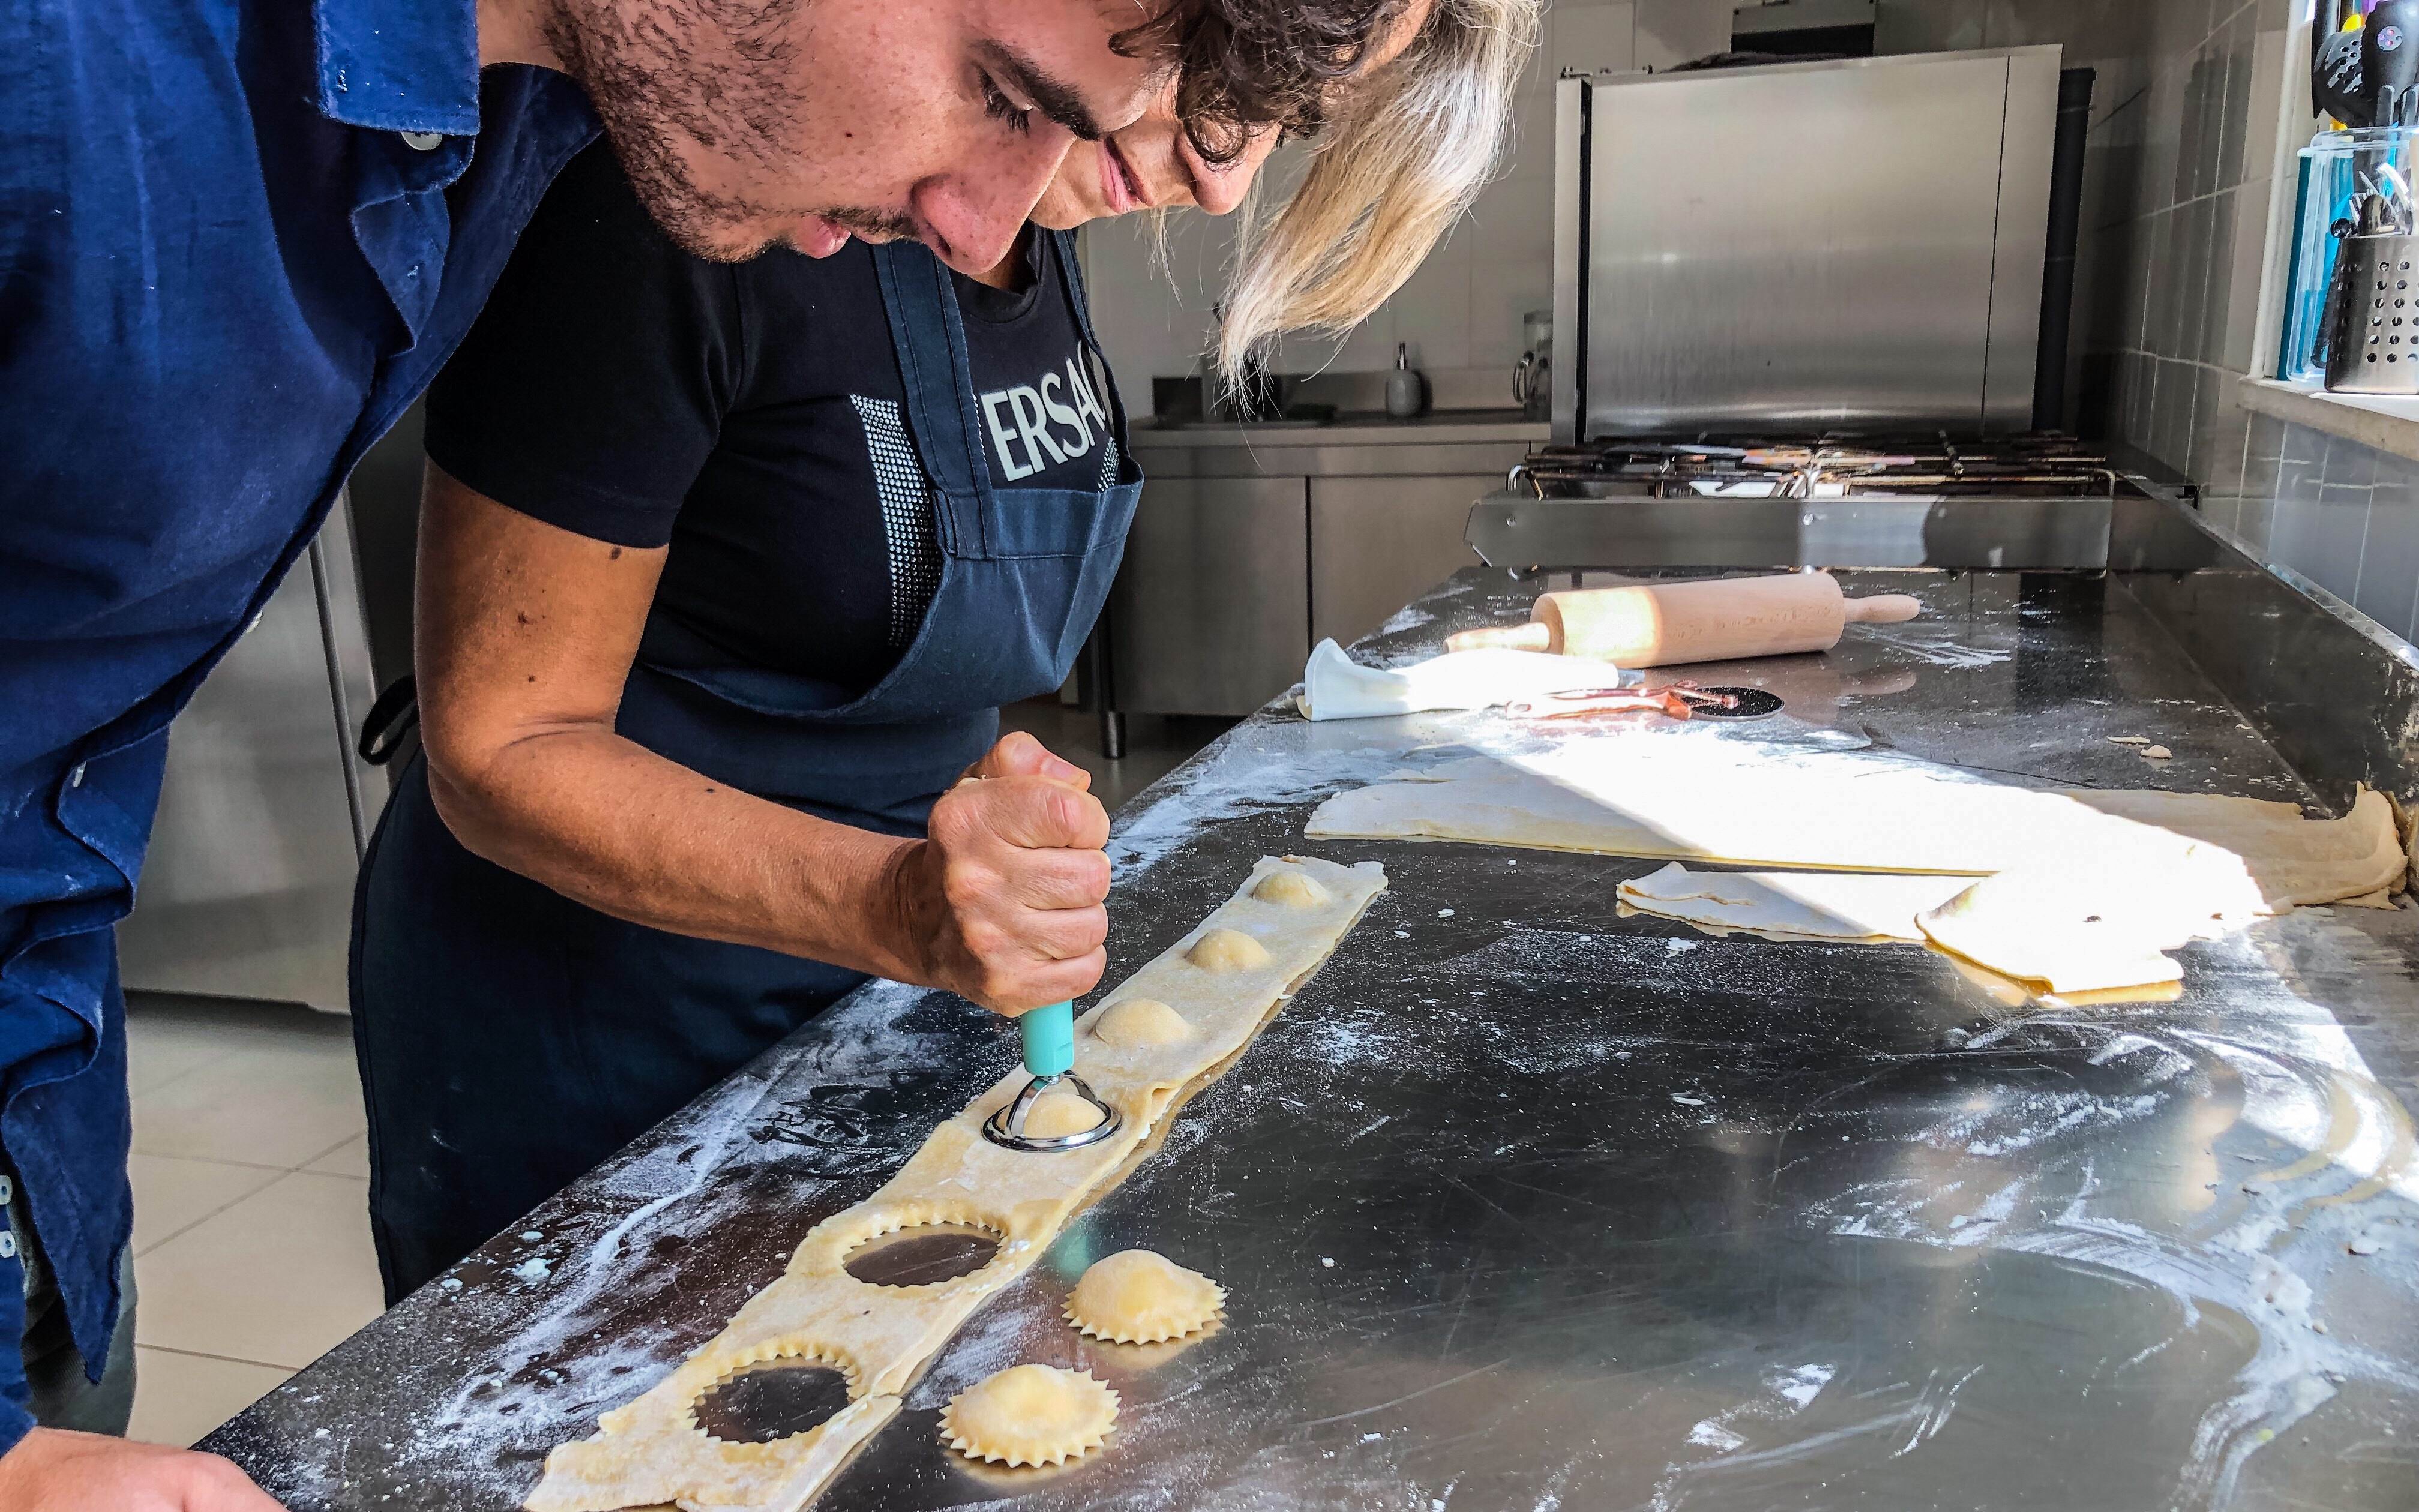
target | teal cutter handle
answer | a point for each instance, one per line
(1049, 1038)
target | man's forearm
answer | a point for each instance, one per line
(611, 824)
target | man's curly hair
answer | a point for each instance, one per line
(1243, 67)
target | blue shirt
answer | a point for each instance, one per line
(237, 240)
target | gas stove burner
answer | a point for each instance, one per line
(1746, 703)
(1816, 466)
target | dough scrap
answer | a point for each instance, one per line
(1029, 1414)
(649, 1450)
(1227, 949)
(1290, 888)
(1132, 1022)
(1860, 907)
(1054, 1114)
(2158, 869)
(1138, 1296)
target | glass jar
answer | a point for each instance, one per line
(2336, 168)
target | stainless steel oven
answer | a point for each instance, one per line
(1854, 244)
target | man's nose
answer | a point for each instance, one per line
(1218, 187)
(977, 211)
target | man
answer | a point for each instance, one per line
(237, 239)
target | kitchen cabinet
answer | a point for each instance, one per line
(1376, 544)
(1253, 542)
(1211, 609)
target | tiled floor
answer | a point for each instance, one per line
(252, 1244)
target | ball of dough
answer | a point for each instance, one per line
(1227, 949)
(1137, 1022)
(1029, 1414)
(1293, 889)
(1138, 1297)
(1059, 1113)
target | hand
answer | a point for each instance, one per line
(51, 1470)
(1002, 903)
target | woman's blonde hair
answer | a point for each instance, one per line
(1405, 152)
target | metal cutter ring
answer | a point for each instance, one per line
(1007, 1126)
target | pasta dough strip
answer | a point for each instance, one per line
(651, 1450)
(2080, 891)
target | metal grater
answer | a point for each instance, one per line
(2376, 348)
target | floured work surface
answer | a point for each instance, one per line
(2079, 890)
(1222, 980)
(1620, 1214)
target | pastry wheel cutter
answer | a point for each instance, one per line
(1050, 1058)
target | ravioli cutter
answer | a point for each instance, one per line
(1049, 1034)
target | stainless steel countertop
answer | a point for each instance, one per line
(1522, 1204)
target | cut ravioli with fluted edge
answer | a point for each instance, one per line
(650, 1450)
(1030, 1414)
(1139, 1296)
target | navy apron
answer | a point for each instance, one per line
(511, 1038)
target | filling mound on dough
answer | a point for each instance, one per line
(1138, 1296)
(1029, 1414)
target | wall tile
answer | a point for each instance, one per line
(2263, 455)
(1511, 266)
(1592, 37)
(2234, 281)
(2141, 398)
(2221, 429)
(2170, 272)
(2234, 43)
(2203, 125)
(1931, 26)
(1431, 311)
(2112, 166)
(2348, 465)
(2254, 523)
(2264, 100)
(2304, 445)
(1674, 31)
(2178, 27)
(2388, 590)
(2204, 325)
(2163, 125)
(2193, 254)
(2113, 40)
(2171, 414)
(2321, 538)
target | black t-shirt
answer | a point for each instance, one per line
(751, 415)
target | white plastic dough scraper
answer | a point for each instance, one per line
(1049, 1034)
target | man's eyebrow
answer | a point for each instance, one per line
(1055, 98)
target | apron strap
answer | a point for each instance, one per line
(1079, 303)
(930, 342)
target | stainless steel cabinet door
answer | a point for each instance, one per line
(1376, 544)
(248, 889)
(1211, 610)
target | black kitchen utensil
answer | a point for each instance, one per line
(2389, 63)
(2336, 67)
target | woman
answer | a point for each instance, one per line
(718, 600)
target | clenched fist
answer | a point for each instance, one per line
(1002, 902)
(53, 1471)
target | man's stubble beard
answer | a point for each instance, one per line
(717, 74)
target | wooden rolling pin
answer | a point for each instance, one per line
(1661, 625)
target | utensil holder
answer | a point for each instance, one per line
(2376, 344)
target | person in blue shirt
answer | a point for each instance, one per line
(237, 240)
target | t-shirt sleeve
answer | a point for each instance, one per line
(591, 388)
